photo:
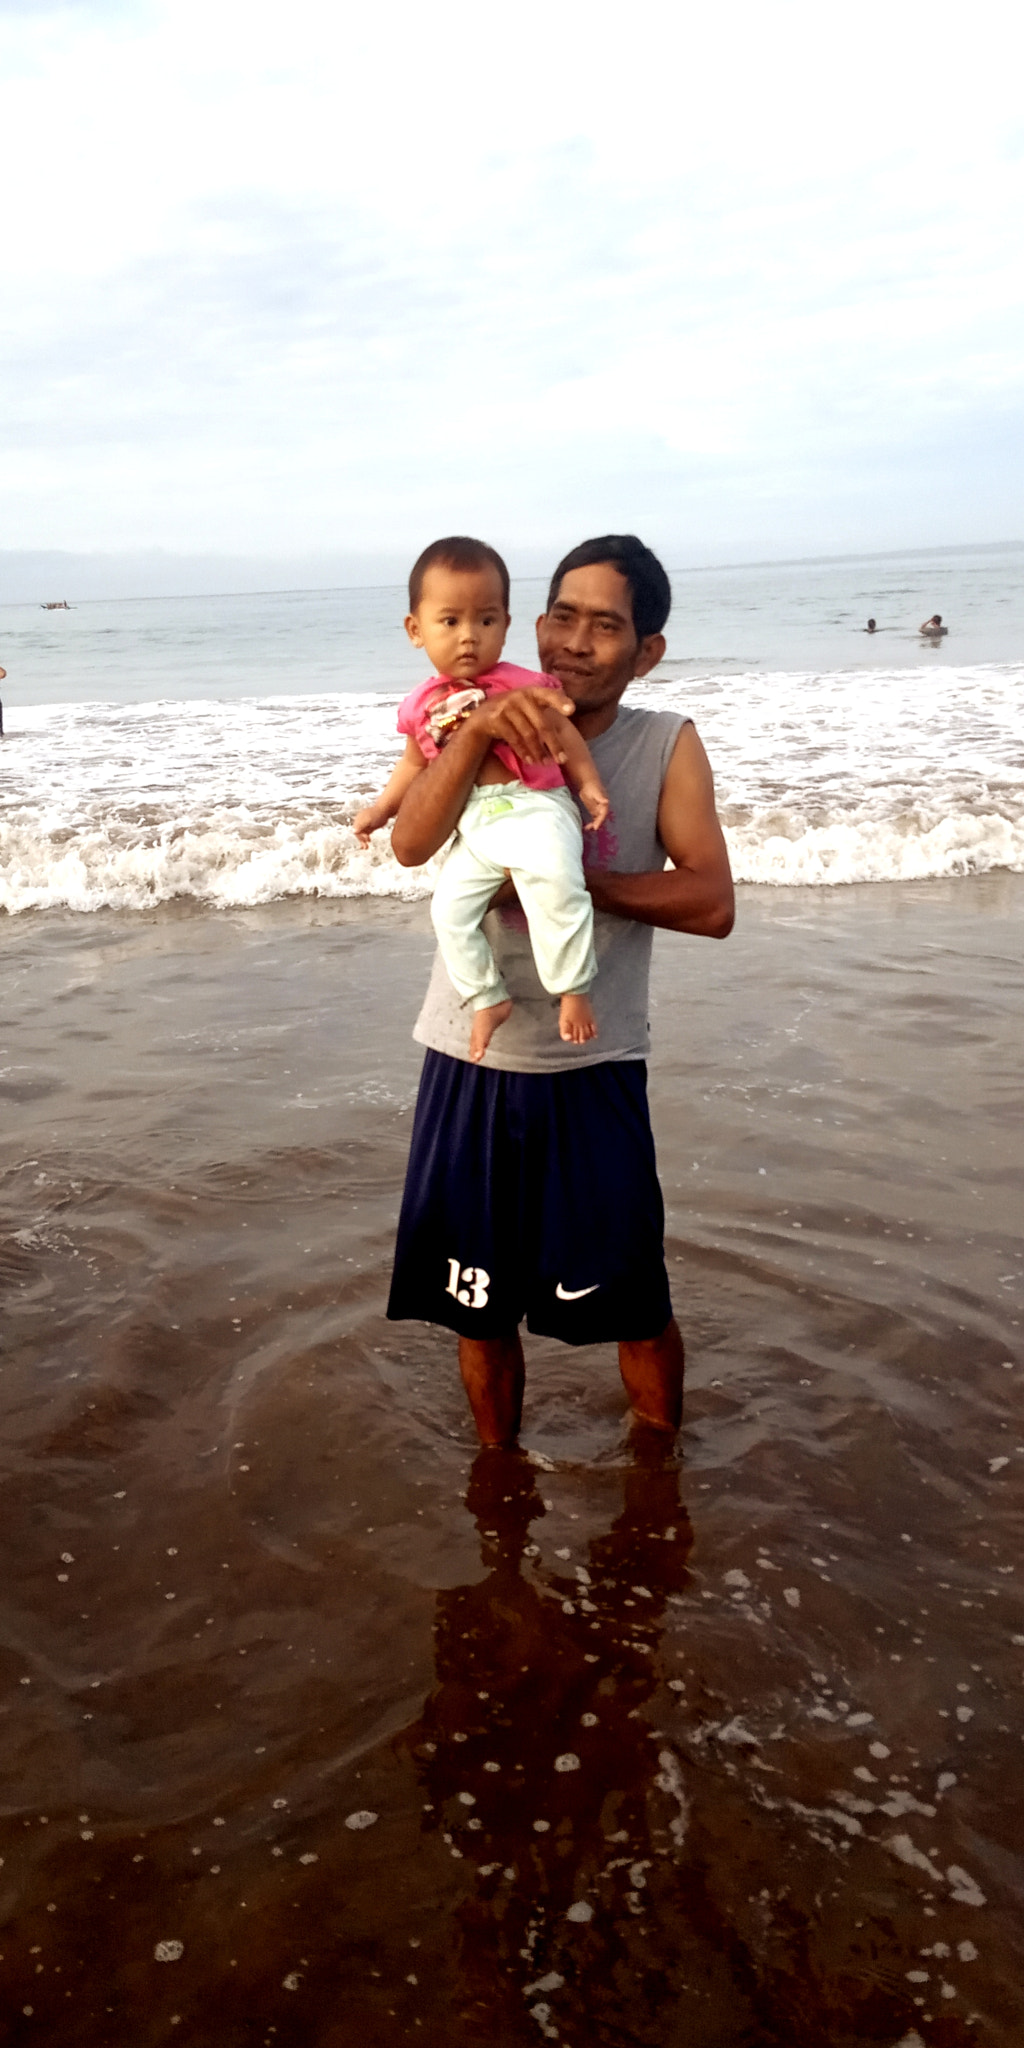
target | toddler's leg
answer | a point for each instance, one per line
(548, 874)
(463, 891)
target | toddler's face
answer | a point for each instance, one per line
(461, 620)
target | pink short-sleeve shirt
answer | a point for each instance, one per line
(415, 709)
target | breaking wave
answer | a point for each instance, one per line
(822, 780)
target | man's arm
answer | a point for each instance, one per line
(434, 803)
(695, 894)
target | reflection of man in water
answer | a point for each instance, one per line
(539, 1766)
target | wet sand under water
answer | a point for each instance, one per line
(316, 1729)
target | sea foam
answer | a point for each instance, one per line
(821, 780)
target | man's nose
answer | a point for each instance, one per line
(577, 637)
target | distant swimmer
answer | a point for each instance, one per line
(870, 627)
(933, 628)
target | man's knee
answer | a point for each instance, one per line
(495, 1349)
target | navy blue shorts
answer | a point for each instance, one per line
(532, 1195)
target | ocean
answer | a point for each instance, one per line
(216, 748)
(319, 1729)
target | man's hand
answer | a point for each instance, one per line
(526, 720)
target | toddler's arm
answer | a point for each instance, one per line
(385, 806)
(581, 770)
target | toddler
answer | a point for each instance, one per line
(520, 820)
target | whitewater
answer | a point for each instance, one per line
(823, 778)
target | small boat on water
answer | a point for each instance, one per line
(57, 604)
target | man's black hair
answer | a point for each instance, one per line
(649, 586)
(457, 552)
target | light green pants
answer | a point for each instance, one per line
(536, 834)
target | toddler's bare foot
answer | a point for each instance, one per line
(576, 1020)
(485, 1024)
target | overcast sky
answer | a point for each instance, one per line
(299, 277)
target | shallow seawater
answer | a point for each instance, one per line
(319, 1728)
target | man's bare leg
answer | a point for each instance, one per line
(493, 1374)
(652, 1374)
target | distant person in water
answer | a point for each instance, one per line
(520, 820)
(933, 628)
(870, 627)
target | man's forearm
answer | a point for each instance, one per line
(431, 809)
(674, 899)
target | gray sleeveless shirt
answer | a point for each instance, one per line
(633, 757)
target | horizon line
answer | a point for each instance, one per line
(327, 589)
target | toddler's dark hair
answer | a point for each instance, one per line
(649, 586)
(457, 552)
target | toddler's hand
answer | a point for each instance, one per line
(363, 824)
(595, 797)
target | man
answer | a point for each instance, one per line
(532, 1186)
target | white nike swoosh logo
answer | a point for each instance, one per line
(564, 1294)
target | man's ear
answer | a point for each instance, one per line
(412, 627)
(650, 651)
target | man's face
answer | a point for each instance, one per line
(588, 639)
